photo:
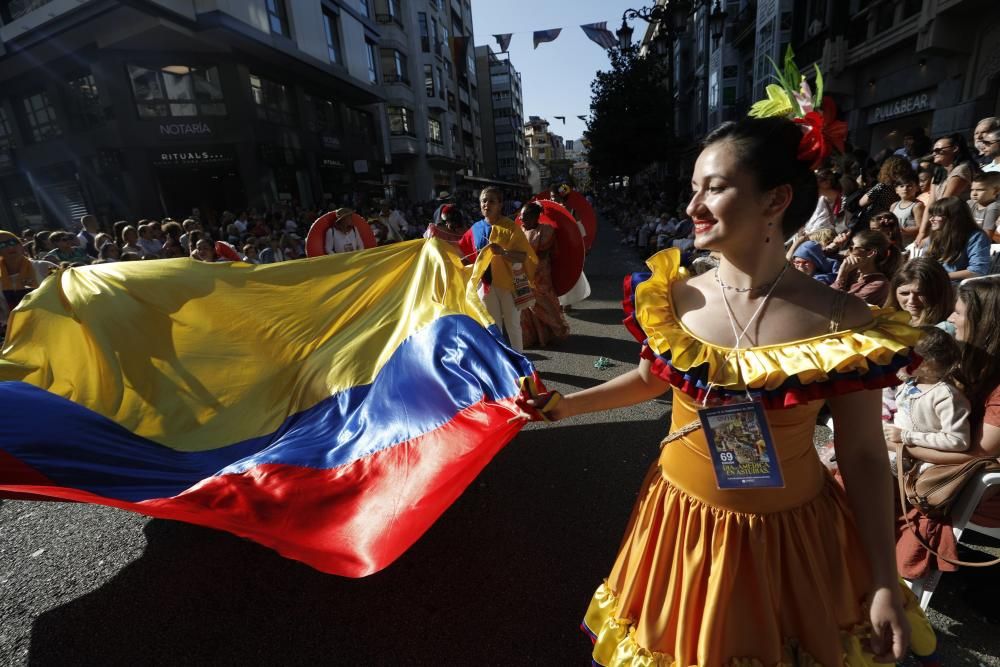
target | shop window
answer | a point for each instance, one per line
(274, 101)
(372, 62)
(434, 131)
(332, 28)
(277, 16)
(401, 122)
(429, 80)
(84, 103)
(394, 67)
(177, 91)
(425, 33)
(363, 125)
(325, 116)
(40, 117)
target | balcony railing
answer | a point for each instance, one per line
(386, 19)
(395, 78)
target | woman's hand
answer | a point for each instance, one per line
(531, 409)
(890, 640)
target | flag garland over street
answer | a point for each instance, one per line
(595, 32)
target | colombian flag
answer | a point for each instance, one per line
(329, 408)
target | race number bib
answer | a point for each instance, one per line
(741, 447)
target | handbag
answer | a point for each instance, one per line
(934, 490)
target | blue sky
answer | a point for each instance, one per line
(556, 77)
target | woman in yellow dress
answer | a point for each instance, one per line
(803, 574)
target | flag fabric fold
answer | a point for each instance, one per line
(542, 36)
(600, 35)
(329, 408)
(503, 41)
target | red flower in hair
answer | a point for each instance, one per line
(824, 133)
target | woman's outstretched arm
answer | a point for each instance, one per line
(636, 386)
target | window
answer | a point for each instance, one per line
(388, 11)
(41, 117)
(274, 101)
(440, 83)
(394, 67)
(6, 131)
(429, 80)
(372, 62)
(332, 37)
(277, 16)
(434, 131)
(434, 37)
(425, 33)
(362, 125)
(177, 90)
(84, 103)
(401, 122)
(325, 116)
(366, 8)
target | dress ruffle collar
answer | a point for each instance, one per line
(782, 375)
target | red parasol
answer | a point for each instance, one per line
(568, 252)
(316, 238)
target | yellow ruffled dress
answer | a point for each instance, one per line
(758, 577)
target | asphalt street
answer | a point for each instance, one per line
(502, 578)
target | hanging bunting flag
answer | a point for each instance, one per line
(562, 118)
(542, 36)
(503, 41)
(600, 35)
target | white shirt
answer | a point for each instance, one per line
(338, 241)
(991, 166)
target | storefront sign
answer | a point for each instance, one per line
(194, 157)
(193, 129)
(903, 106)
(330, 163)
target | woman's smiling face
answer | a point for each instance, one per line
(726, 204)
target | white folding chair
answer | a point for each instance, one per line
(961, 519)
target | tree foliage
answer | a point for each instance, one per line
(631, 120)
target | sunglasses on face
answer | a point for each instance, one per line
(887, 221)
(858, 250)
(942, 149)
(984, 142)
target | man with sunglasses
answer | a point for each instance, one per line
(990, 148)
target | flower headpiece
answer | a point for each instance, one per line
(793, 98)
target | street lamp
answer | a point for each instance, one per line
(672, 16)
(717, 22)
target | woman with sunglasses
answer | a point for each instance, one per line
(955, 169)
(870, 264)
(956, 241)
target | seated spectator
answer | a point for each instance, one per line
(172, 249)
(19, 274)
(88, 231)
(109, 252)
(273, 252)
(172, 231)
(205, 251)
(867, 270)
(250, 255)
(983, 202)
(908, 210)
(888, 224)
(42, 244)
(66, 250)
(808, 257)
(130, 241)
(149, 245)
(190, 225)
(956, 240)
(291, 243)
(922, 288)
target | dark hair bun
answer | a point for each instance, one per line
(767, 148)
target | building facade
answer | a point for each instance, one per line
(152, 108)
(500, 100)
(891, 65)
(428, 66)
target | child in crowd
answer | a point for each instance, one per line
(908, 210)
(930, 409)
(983, 202)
